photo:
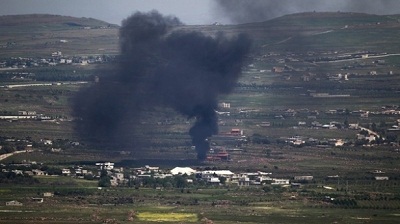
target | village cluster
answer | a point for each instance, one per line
(120, 176)
(56, 58)
(25, 115)
(312, 119)
(372, 63)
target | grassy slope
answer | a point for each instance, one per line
(305, 31)
(298, 32)
(42, 37)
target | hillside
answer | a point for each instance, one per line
(302, 47)
(50, 21)
(30, 35)
(40, 35)
(320, 32)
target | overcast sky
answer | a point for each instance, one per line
(193, 11)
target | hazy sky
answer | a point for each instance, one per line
(194, 11)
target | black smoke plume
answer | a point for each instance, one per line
(160, 64)
(246, 11)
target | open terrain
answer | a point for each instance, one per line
(310, 82)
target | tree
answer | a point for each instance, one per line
(180, 182)
(267, 153)
(267, 189)
(8, 149)
(373, 127)
(149, 182)
(391, 137)
(259, 139)
(222, 179)
(346, 123)
(105, 180)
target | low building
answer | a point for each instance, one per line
(66, 172)
(307, 178)
(37, 200)
(13, 203)
(105, 166)
(381, 178)
(38, 172)
(219, 156)
(214, 180)
(302, 123)
(339, 143)
(47, 142)
(265, 124)
(236, 132)
(152, 168)
(277, 69)
(225, 105)
(217, 173)
(295, 185)
(280, 182)
(56, 149)
(244, 182)
(48, 194)
(119, 176)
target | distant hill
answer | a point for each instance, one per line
(330, 19)
(51, 20)
(32, 35)
(321, 31)
(39, 35)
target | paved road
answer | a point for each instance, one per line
(4, 156)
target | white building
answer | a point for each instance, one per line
(214, 180)
(280, 182)
(182, 170)
(48, 194)
(219, 173)
(105, 166)
(66, 171)
(13, 203)
(303, 177)
(381, 178)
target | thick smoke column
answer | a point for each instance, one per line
(159, 65)
(245, 11)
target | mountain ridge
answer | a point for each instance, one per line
(310, 31)
(36, 19)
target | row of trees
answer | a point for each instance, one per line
(13, 178)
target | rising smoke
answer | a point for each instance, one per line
(245, 11)
(162, 65)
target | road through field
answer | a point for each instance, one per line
(4, 156)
